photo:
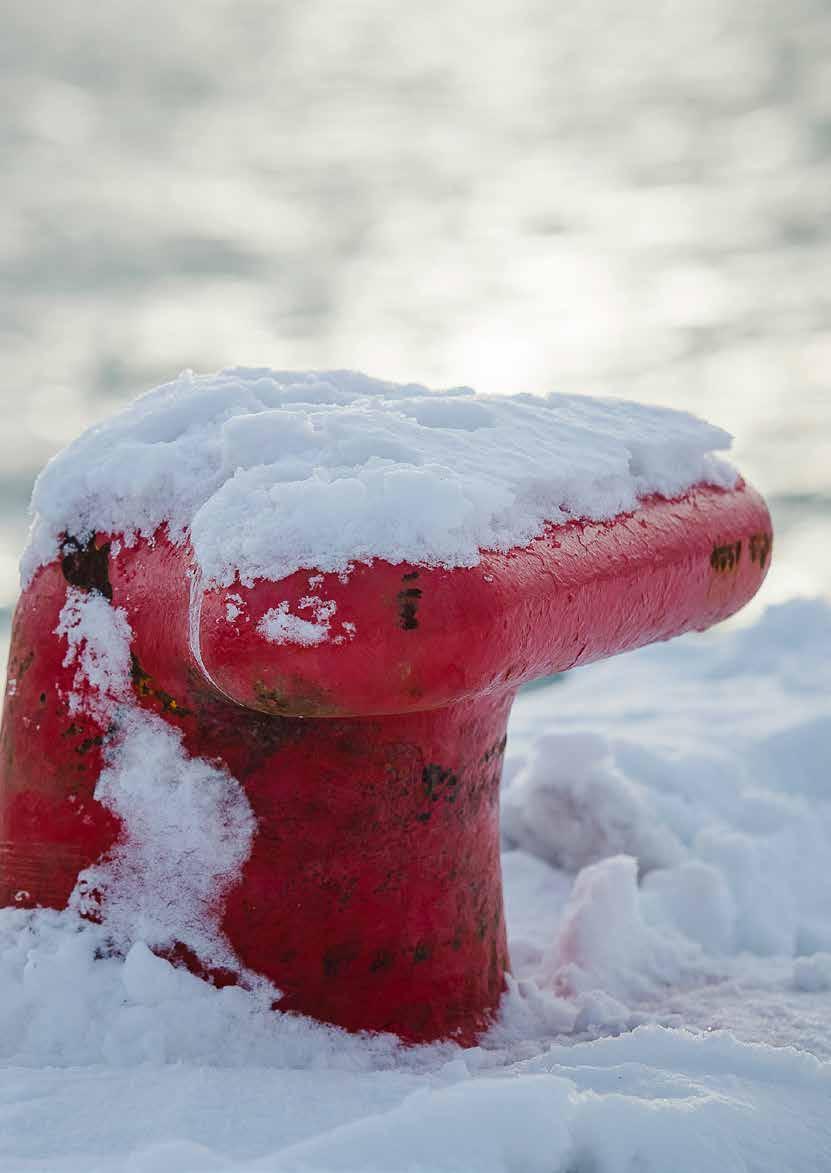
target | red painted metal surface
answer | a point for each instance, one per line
(372, 896)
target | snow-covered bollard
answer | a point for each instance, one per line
(271, 629)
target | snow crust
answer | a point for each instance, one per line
(271, 471)
(670, 1006)
(279, 625)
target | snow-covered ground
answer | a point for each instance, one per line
(670, 1013)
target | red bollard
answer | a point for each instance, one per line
(371, 760)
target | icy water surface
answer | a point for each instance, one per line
(512, 194)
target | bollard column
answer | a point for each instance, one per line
(373, 894)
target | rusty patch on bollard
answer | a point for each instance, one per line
(295, 699)
(143, 684)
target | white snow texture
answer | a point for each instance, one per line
(186, 824)
(272, 471)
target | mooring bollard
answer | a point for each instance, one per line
(364, 715)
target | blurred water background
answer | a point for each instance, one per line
(619, 199)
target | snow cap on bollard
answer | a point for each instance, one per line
(271, 629)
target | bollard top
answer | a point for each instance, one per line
(358, 547)
(270, 472)
(394, 638)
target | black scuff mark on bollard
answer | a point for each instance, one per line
(22, 667)
(338, 958)
(89, 743)
(439, 783)
(383, 960)
(723, 559)
(760, 545)
(497, 750)
(422, 952)
(87, 566)
(408, 600)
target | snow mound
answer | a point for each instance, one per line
(605, 942)
(713, 770)
(271, 471)
(571, 805)
(134, 1066)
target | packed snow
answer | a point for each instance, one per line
(270, 471)
(667, 832)
(187, 827)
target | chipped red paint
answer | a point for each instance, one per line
(372, 896)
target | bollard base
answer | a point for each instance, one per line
(381, 837)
